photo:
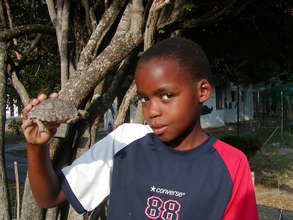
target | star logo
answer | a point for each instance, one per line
(153, 189)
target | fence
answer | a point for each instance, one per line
(274, 110)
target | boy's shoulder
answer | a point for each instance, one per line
(228, 151)
(233, 158)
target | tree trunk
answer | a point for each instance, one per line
(4, 204)
(74, 215)
(52, 214)
(130, 94)
(138, 115)
(30, 209)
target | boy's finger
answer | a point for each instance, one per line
(35, 101)
(41, 97)
(54, 95)
(25, 110)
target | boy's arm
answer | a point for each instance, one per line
(43, 179)
(242, 204)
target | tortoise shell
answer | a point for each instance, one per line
(53, 110)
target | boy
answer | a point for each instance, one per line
(169, 169)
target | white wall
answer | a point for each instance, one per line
(245, 108)
(216, 117)
(15, 112)
(219, 117)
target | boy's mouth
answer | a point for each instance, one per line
(159, 129)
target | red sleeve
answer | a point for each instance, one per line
(242, 203)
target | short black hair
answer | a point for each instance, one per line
(187, 52)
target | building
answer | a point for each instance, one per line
(223, 106)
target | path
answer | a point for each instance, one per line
(269, 213)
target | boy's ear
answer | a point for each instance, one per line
(204, 90)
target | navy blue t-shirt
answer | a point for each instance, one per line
(146, 179)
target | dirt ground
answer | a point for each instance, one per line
(274, 204)
(273, 197)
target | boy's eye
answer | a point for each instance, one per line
(142, 98)
(167, 96)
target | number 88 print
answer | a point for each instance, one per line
(164, 210)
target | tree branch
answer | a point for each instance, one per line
(18, 86)
(87, 54)
(59, 17)
(52, 12)
(151, 25)
(2, 16)
(16, 83)
(130, 94)
(136, 16)
(27, 29)
(76, 90)
(30, 48)
(209, 16)
(177, 23)
(99, 106)
(93, 19)
(8, 14)
(86, 7)
(64, 43)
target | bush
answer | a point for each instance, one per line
(14, 124)
(248, 144)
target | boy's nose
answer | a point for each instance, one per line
(154, 109)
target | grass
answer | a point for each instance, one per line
(288, 140)
(273, 168)
(273, 164)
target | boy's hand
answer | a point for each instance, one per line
(32, 133)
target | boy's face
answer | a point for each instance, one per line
(171, 98)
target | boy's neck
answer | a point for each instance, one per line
(193, 139)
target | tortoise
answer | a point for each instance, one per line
(53, 110)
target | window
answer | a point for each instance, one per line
(233, 96)
(242, 96)
(219, 97)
